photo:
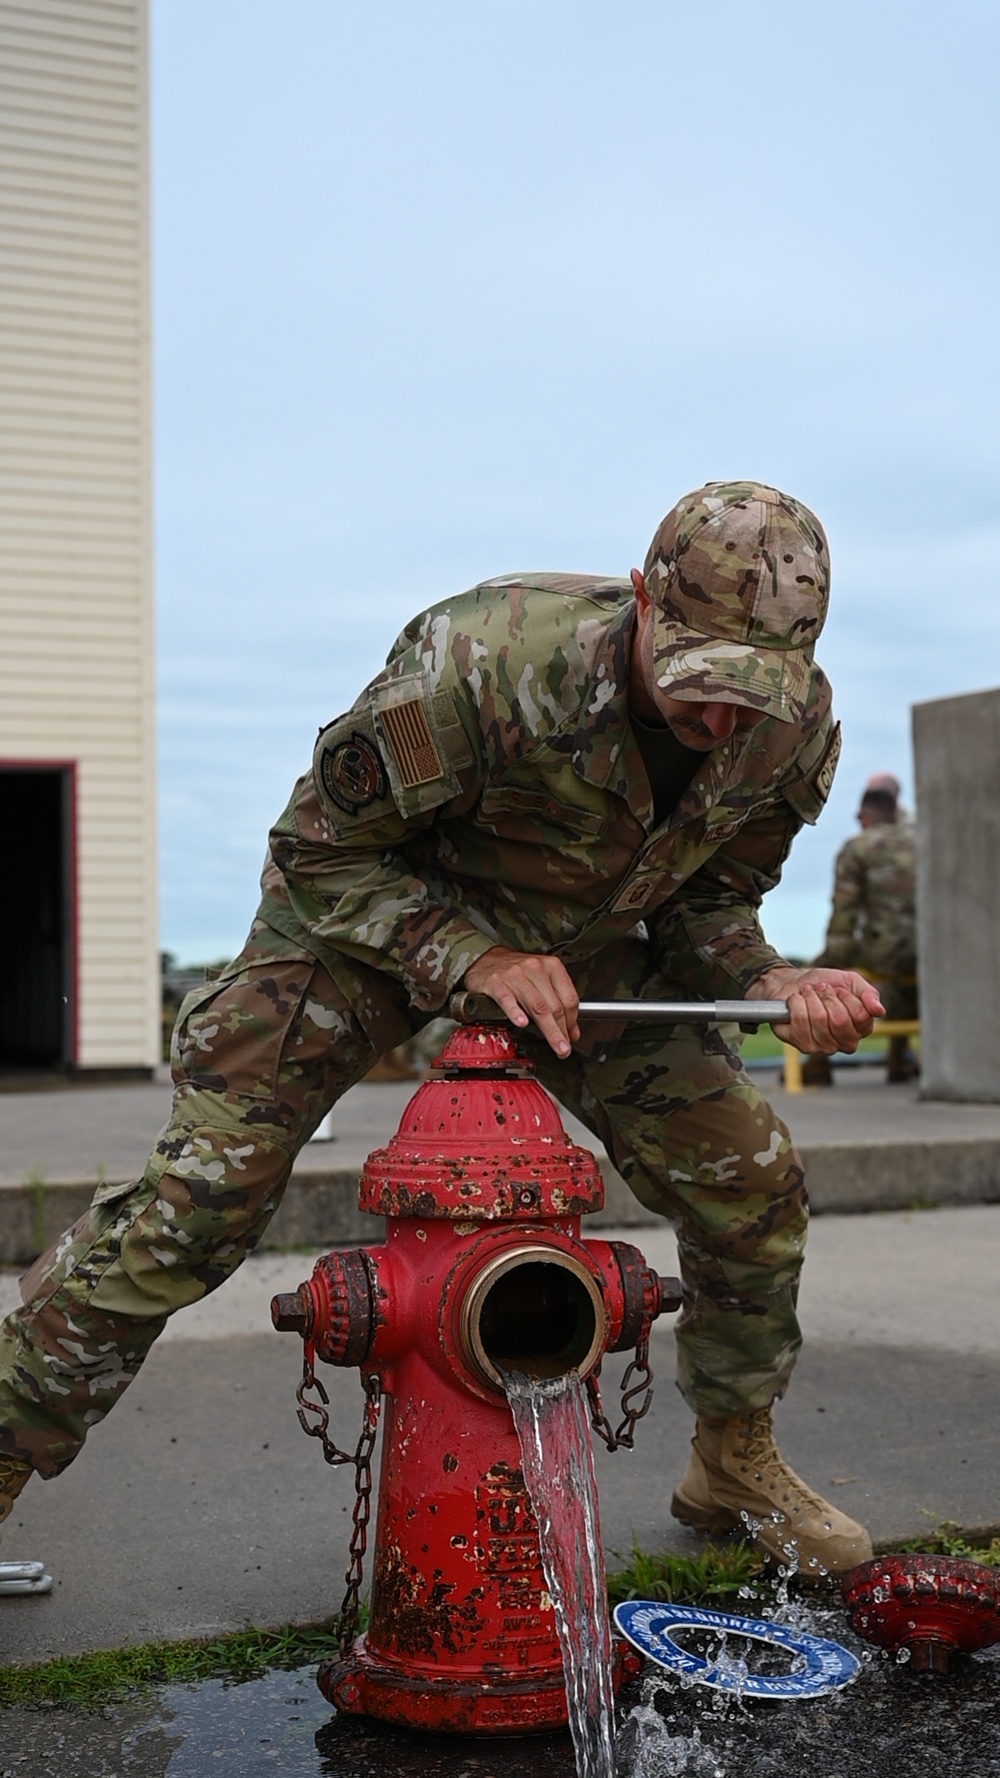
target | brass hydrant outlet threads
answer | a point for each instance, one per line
(534, 1310)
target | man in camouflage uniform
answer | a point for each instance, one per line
(559, 784)
(873, 922)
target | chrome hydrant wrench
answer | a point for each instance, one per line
(479, 1009)
(24, 1577)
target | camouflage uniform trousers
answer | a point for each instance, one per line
(258, 1057)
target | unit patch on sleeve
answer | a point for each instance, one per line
(352, 773)
(414, 749)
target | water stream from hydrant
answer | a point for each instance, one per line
(553, 1426)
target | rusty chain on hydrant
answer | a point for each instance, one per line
(636, 1382)
(361, 1457)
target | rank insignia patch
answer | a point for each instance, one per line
(409, 735)
(635, 895)
(352, 773)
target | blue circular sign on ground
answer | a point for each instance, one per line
(821, 1666)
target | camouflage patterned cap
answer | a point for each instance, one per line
(739, 575)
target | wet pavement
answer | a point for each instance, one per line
(891, 1723)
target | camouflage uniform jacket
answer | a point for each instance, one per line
(873, 924)
(486, 788)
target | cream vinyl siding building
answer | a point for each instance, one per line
(79, 978)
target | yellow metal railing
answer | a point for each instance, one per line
(792, 1058)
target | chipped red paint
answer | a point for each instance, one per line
(480, 1184)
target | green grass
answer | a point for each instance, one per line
(95, 1678)
(950, 1540)
(758, 1044)
(92, 1680)
(714, 1576)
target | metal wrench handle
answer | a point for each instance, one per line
(479, 1009)
(690, 1012)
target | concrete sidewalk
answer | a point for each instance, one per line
(867, 1146)
(200, 1507)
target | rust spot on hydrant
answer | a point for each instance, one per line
(423, 1617)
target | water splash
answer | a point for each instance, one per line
(647, 1749)
(553, 1426)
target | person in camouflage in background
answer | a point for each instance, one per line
(560, 784)
(873, 921)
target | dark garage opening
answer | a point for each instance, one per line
(36, 886)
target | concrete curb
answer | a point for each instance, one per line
(320, 1204)
(864, 1176)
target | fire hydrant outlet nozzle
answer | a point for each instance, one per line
(534, 1310)
(334, 1307)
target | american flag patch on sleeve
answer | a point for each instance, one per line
(409, 735)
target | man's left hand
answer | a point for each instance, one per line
(829, 1009)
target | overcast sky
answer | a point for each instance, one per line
(444, 290)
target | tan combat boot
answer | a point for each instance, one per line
(736, 1469)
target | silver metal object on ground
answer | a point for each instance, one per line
(479, 1009)
(24, 1577)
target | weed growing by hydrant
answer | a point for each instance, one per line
(714, 1576)
(92, 1680)
(951, 1540)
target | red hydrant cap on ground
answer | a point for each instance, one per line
(480, 1140)
(909, 1600)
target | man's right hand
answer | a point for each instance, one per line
(529, 988)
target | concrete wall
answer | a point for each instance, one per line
(76, 639)
(956, 743)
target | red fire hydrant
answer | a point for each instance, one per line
(483, 1270)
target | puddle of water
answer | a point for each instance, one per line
(553, 1426)
(891, 1724)
(279, 1723)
